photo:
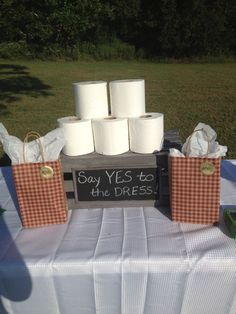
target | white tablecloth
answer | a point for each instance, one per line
(118, 260)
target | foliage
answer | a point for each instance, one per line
(14, 50)
(108, 51)
(187, 28)
(85, 50)
(166, 28)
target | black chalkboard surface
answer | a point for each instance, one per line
(117, 184)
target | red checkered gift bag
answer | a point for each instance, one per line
(40, 190)
(195, 189)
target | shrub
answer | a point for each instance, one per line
(115, 49)
(11, 50)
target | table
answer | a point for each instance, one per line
(117, 260)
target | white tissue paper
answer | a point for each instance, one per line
(52, 142)
(202, 143)
(175, 153)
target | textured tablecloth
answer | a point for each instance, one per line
(117, 260)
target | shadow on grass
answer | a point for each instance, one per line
(15, 82)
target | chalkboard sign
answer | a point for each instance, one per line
(117, 184)
(85, 191)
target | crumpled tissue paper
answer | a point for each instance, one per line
(201, 143)
(52, 143)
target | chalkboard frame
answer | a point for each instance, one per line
(152, 199)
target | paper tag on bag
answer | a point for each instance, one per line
(207, 168)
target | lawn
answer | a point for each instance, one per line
(33, 94)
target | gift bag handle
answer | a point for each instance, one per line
(36, 135)
(189, 139)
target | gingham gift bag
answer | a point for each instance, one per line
(40, 190)
(195, 189)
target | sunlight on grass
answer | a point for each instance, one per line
(34, 94)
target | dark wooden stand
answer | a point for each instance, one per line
(127, 161)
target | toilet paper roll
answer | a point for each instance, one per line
(91, 100)
(111, 136)
(146, 133)
(78, 136)
(127, 98)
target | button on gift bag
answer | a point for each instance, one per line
(195, 178)
(39, 185)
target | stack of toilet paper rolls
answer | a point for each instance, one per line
(128, 127)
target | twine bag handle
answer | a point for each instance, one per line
(189, 139)
(46, 171)
(36, 135)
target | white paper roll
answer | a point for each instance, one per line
(127, 98)
(91, 99)
(111, 136)
(146, 133)
(78, 136)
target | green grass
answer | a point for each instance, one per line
(33, 94)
